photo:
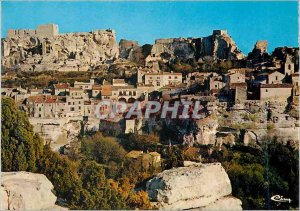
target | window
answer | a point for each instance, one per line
(150, 77)
(176, 77)
(120, 93)
(216, 86)
(40, 109)
(158, 84)
(69, 103)
(170, 77)
(79, 107)
(266, 90)
(276, 77)
(72, 109)
(134, 93)
(289, 67)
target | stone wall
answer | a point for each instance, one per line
(281, 94)
(47, 30)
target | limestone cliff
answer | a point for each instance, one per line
(201, 186)
(27, 191)
(219, 45)
(259, 51)
(127, 47)
(64, 52)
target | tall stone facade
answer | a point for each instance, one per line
(46, 30)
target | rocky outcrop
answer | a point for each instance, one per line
(259, 51)
(64, 52)
(126, 47)
(281, 53)
(27, 191)
(219, 45)
(250, 138)
(205, 186)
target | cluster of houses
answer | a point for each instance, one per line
(62, 100)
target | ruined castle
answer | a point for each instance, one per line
(46, 30)
(45, 49)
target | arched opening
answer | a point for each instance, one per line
(122, 99)
(131, 100)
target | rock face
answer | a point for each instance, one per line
(205, 186)
(126, 47)
(219, 45)
(26, 191)
(58, 131)
(64, 52)
(259, 50)
(89, 50)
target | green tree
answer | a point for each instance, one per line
(20, 147)
(102, 149)
(140, 142)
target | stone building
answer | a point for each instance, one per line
(43, 31)
(60, 89)
(45, 106)
(216, 83)
(233, 78)
(275, 77)
(159, 80)
(84, 85)
(96, 91)
(276, 92)
(289, 66)
(120, 91)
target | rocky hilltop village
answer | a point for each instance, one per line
(259, 89)
(245, 99)
(45, 49)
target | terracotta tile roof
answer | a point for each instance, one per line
(87, 102)
(276, 86)
(174, 86)
(106, 83)
(75, 89)
(46, 99)
(163, 73)
(117, 81)
(234, 85)
(122, 87)
(96, 87)
(106, 90)
(61, 86)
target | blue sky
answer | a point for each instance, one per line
(246, 22)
